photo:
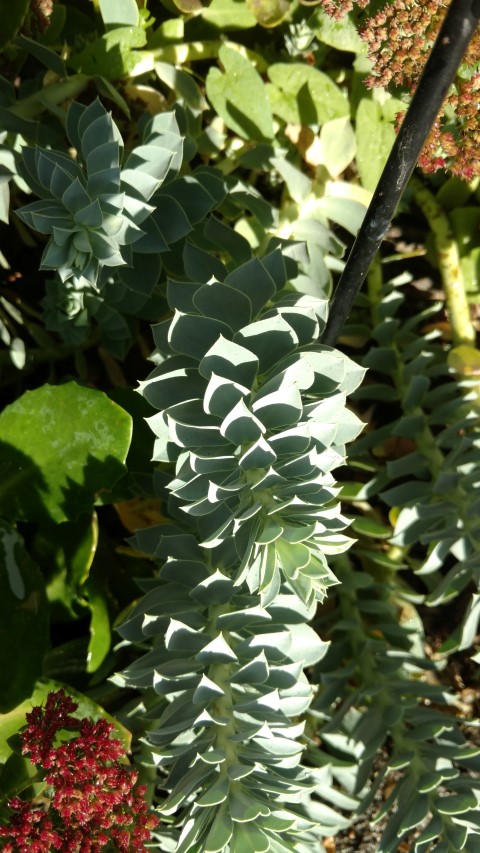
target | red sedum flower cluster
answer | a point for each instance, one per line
(90, 802)
(400, 37)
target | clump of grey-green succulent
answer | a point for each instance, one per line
(110, 218)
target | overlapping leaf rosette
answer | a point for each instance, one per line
(252, 411)
(110, 218)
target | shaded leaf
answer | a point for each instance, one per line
(238, 96)
(24, 620)
(60, 447)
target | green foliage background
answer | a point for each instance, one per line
(289, 651)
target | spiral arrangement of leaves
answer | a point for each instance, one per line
(110, 222)
(252, 412)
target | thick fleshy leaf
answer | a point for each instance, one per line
(243, 807)
(215, 794)
(60, 448)
(222, 395)
(217, 651)
(270, 340)
(248, 836)
(220, 833)
(241, 426)
(254, 672)
(193, 336)
(230, 360)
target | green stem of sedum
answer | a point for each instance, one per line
(463, 331)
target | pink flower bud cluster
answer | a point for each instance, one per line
(339, 8)
(90, 800)
(400, 37)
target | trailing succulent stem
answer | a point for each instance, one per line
(439, 422)
(252, 414)
(384, 712)
(381, 698)
(463, 331)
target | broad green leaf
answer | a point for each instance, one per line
(189, 7)
(341, 34)
(24, 620)
(239, 97)
(298, 184)
(100, 633)
(300, 94)
(183, 84)
(18, 769)
(65, 553)
(60, 448)
(113, 56)
(14, 720)
(119, 13)
(229, 15)
(268, 13)
(348, 213)
(137, 477)
(337, 145)
(375, 135)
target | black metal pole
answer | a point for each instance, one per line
(447, 53)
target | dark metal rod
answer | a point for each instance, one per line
(447, 53)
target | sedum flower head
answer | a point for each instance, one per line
(90, 799)
(339, 8)
(400, 36)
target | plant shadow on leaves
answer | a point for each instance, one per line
(26, 496)
(19, 474)
(306, 106)
(250, 129)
